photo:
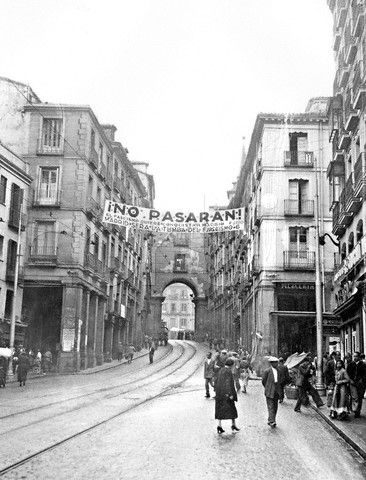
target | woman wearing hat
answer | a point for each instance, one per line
(226, 397)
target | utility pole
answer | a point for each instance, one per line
(16, 276)
(318, 293)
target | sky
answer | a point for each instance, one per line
(182, 80)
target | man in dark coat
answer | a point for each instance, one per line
(23, 367)
(357, 373)
(329, 373)
(271, 381)
(304, 374)
(226, 397)
(151, 352)
(208, 373)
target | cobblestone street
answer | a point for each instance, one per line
(163, 427)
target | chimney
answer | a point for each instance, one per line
(110, 130)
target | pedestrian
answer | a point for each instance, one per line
(235, 369)
(271, 381)
(38, 363)
(357, 373)
(347, 359)
(130, 353)
(3, 370)
(119, 351)
(226, 397)
(329, 374)
(219, 363)
(245, 370)
(208, 373)
(340, 403)
(303, 382)
(47, 361)
(23, 367)
(146, 341)
(282, 368)
(151, 352)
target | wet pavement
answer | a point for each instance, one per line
(164, 427)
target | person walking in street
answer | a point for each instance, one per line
(208, 373)
(285, 376)
(119, 352)
(151, 352)
(226, 397)
(245, 369)
(303, 382)
(357, 373)
(219, 363)
(23, 367)
(130, 353)
(47, 361)
(340, 404)
(271, 381)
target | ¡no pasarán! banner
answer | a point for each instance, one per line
(173, 221)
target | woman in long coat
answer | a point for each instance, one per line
(23, 368)
(226, 397)
(340, 402)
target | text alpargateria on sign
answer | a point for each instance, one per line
(173, 221)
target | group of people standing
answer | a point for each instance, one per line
(346, 384)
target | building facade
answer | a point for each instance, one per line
(347, 170)
(14, 195)
(178, 309)
(84, 280)
(263, 279)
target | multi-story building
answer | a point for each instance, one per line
(263, 279)
(83, 281)
(178, 308)
(14, 194)
(347, 171)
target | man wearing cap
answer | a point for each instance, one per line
(272, 380)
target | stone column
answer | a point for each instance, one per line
(84, 330)
(154, 319)
(99, 337)
(92, 330)
(69, 359)
(201, 324)
(108, 340)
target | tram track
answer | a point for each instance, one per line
(27, 459)
(83, 395)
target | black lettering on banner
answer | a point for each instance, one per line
(179, 217)
(133, 212)
(167, 216)
(191, 218)
(154, 214)
(204, 216)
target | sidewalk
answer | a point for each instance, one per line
(88, 371)
(352, 431)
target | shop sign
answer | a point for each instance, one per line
(352, 259)
(296, 286)
(173, 221)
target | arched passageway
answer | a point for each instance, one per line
(178, 311)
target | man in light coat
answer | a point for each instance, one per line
(208, 373)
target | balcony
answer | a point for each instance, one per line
(358, 18)
(93, 209)
(43, 254)
(344, 72)
(336, 261)
(257, 215)
(109, 180)
(43, 149)
(359, 86)
(351, 116)
(115, 264)
(337, 38)
(90, 261)
(10, 273)
(297, 159)
(341, 14)
(338, 227)
(254, 266)
(118, 185)
(359, 174)
(352, 203)
(350, 49)
(344, 140)
(298, 260)
(295, 208)
(102, 172)
(93, 158)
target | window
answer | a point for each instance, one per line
(1, 246)
(92, 139)
(16, 201)
(183, 307)
(180, 262)
(298, 238)
(48, 186)
(3, 185)
(100, 152)
(359, 231)
(87, 240)
(298, 146)
(183, 323)
(96, 245)
(52, 135)
(99, 196)
(8, 304)
(351, 242)
(90, 187)
(343, 251)
(12, 255)
(172, 308)
(44, 240)
(298, 202)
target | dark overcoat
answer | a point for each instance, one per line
(23, 367)
(224, 388)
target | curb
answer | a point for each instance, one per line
(341, 433)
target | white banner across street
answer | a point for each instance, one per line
(173, 221)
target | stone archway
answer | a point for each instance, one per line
(179, 258)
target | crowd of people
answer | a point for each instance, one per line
(227, 373)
